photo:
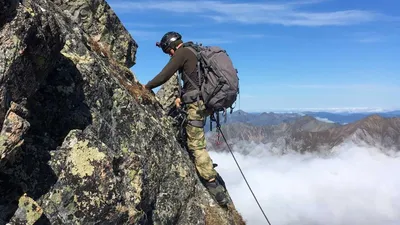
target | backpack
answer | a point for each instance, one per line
(218, 80)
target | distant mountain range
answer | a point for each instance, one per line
(345, 118)
(256, 119)
(306, 133)
(271, 118)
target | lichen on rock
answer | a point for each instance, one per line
(82, 142)
(29, 211)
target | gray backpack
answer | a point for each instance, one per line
(218, 79)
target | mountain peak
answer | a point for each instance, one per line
(370, 121)
(239, 111)
(373, 118)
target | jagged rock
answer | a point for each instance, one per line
(99, 21)
(8, 11)
(13, 131)
(28, 43)
(99, 148)
(29, 212)
(168, 92)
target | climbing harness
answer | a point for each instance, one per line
(230, 150)
(179, 120)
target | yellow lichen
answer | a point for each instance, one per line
(86, 59)
(124, 148)
(30, 11)
(181, 171)
(3, 144)
(136, 182)
(32, 210)
(135, 177)
(56, 198)
(15, 40)
(81, 157)
(67, 52)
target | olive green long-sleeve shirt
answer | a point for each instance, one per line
(183, 60)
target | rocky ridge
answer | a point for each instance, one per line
(81, 141)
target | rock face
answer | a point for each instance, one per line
(97, 20)
(81, 141)
(168, 93)
(309, 134)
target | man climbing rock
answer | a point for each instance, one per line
(185, 61)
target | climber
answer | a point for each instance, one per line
(185, 61)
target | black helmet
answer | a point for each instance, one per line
(168, 41)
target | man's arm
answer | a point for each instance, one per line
(168, 71)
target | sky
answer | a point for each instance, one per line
(291, 55)
(352, 186)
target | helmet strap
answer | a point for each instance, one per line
(175, 44)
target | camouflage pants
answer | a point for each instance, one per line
(197, 143)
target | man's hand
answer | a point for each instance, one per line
(178, 102)
(144, 86)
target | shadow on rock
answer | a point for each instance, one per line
(43, 220)
(55, 109)
(8, 11)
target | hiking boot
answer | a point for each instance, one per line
(218, 192)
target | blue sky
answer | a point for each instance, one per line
(301, 54)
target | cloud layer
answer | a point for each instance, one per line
(355, 186)
(282, 13)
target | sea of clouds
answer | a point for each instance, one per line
(353, 185)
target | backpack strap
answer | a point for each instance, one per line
(179, 83)
(197, 54)
(193, 95)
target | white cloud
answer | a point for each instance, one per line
(326, 120)
(357, 185)
(286, 13)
